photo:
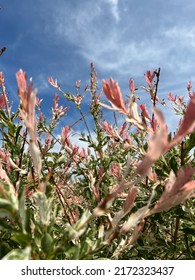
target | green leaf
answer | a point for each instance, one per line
(47, 243)
(5, 226)
(22, 239)
(18, 254)
(17, 134)
(28, 220)
(11, 128)
(80, 227)
(44, 207)
(173, 164)
(190, 142)
(189, 231)
(3, 116)
(22, 209)
(12, 146)
(4, 249)
(7, 209)
(73, 252)
(8, 192)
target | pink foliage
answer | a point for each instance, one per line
(132, 86)
(158, 141)
(149, 76)
(2, 102)
(130, 199)
(78, 84)
(4, 177)
(156, 144)
(78, 99)
(114, 95)
(1, 78)
(27, 112)
(65, 136)
(189, 86)
(171, 97)
(177, 189)
(115, 171)
(53, 83)
(28, 100)
(188, 124)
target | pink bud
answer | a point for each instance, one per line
(131, 85)
(53, 83)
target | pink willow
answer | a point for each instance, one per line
(54, 83)
(177, 190)
(27, 112)
(149, 76)
(114, 95)
(156, 145)
(158, 141)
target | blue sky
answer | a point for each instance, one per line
(123, 38)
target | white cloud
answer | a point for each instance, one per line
(120, 41)
(184, 35)
(109, 45)
(114, 9)
(113, 45)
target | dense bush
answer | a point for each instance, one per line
(128, 195)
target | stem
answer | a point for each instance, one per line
(21, 154)
(96, 111)
(67, 204)
(6, 100)
(156, 87)
(189, 248)
(175, 235)
(115, 120)
(177, 222)
(83, 117)
(182, 154)
(60, 198)
(156, 90)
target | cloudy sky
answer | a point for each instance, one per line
(123, 38)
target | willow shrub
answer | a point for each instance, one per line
(127, 193)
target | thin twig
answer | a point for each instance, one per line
(6, 100)
(156, 90)
(83, 115)
(59, 192)
(21, 153)
(175, 235)
(115, 120)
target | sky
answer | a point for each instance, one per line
(123, 38)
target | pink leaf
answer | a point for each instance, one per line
(53, 83)
(28, 102)
(36, 156)
(130, 199)
(188, 124)
(177, 189)
(114, 95)
(132, 86)
(144, 111)
(149, 76)
(189, 86)
(108, 128)
(171, 97)
(1, 78)
(156, 145)
(2, 102)
(65, 136)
